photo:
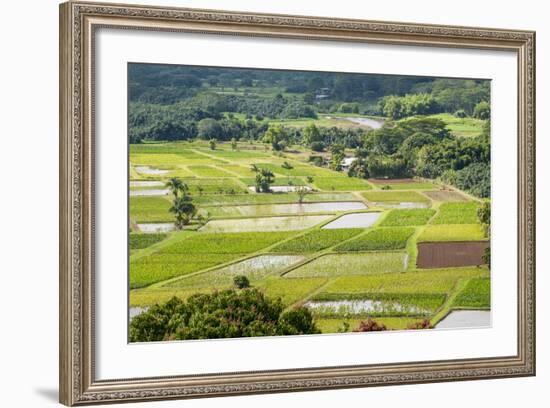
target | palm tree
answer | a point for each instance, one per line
(184, 210)
(176, 185)
(254, 168)
(264, 179)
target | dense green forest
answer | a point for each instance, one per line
(169, 103)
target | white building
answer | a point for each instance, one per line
(346, 163)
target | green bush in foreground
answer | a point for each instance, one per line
(225, 314)
(241, 282)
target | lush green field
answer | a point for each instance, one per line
(196, 252)
(422, 281)
(452, 232)
(475, 295)
(382, 239)
(351, 264)
(317, 240)
(341, 184)
(150, 209)
(254, 269)
(140, 241)
(462, 127)
(292, 257)
(402, 217)
(457, 213)
(208, 171)
(290, 291)
(272, 198)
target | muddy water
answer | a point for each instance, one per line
(372, 123)
(264, 224)
(293, 208)
(360, 306)
(262, 263)
(157, 227)
(465, 319)
(150, 170)
(359, 220)
(149, 192)
(146, 183)
(282, 189)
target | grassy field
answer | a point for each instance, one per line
(140, 241)
(197, 252)
(380, 239)
(403, 217)
(429, 281)
(341, 184)
(457, 213)
(351, 264)
(463, 127)
(475, 295)
(293, 257)
(317, 240)
(449, 232)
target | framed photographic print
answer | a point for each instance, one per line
(258, 203)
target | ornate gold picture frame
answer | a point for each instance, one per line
(78, 24)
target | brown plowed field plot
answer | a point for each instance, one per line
(392, 181)
(445, 195)
(450, 254)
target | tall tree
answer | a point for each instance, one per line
(184, 210)
(177, 186)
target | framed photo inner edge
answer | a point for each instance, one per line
(78, 22)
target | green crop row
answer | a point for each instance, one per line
(341, 184)
(457, 213)
(402, 217)
(456, 232)
(140, 241)
(317, 240)
(378, 239)
(198, 252)
(476, 294)
(429, 281)
(351, 264)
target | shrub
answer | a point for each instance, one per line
(420, 325)
(241, 282)
(370, 325)
(317, 146)
(482, 110)
(224, 314)
(460, 113)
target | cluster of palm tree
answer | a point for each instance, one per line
(182, 205)
(263, 180)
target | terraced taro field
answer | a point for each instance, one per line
(398, 251)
